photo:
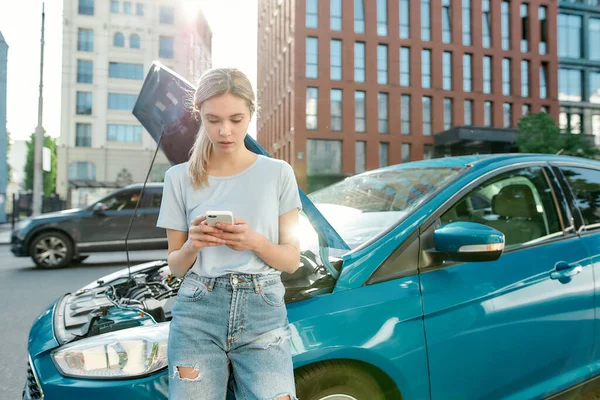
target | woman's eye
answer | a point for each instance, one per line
(212, 122)
(236, 121)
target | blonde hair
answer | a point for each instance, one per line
(215, 82)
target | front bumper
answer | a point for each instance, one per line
(17, 246)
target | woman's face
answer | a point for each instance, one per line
(226, 119)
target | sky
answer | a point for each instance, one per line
(21, 26)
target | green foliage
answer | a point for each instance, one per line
(538, 133)
(49, 177)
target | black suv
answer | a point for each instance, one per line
(59, 238)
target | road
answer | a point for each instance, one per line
(26, 290)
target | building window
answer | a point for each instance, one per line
(505, 25)
(359, 62)
(359, 16)
(487, 74)
(405, 152)
(312, 108)
(570, 121)
(404, 18)
(323, 157)
(134, 41)
(120, 101)
(312, 57)
(312, 13)
(525, 109)
(127, 8)
(446, 22)
(594, 38)
(544, 109)
(447, 70)
(506, 76)
(360, 156)
(124, 133)
(428, 152)
(426, 68)
(82, 170)
(119, 40)
(487, 113)
(405, 114)
(360, 111)
(524, 27)
(85, 71)
(382, 64)
(83, 135)
(427, 116)
(167, 15)
(114, 6)
(507, 115)
(165, 47)
(544, 80)
(595, 87)
(125, 70)
(384, 150)
(569, 85)
(425, 20)
(486, 21)
(466, 22)
(404, 66)
(383, 107)
(542, 16)
(86, 7)
(447, 114)
(84, 103)
(569, 36)
(335, 11)
(468, 120)
(139, 9)
(336, 109)
(335, 60)
(596, 128)
(382, 18)
(85, 40)
(467, 73)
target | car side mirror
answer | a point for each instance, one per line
(98, 209)
(468, 241)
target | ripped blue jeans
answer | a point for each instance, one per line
(234, 326)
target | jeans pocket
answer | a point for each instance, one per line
(273, 295)
(191, 291)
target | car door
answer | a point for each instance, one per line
(149, 233)
(518, 327)
(583, 190)
(108, 226)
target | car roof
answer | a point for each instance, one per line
(148, 185)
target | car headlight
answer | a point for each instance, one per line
(127, 353)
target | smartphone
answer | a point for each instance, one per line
(212, 217)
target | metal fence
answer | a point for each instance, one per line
(23, 205)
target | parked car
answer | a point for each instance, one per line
(56, 239)
(457, 278)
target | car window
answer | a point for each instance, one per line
(517, 203)
(121, 201)
(156, 199)
(585, 184)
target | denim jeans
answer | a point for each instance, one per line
(234, 326)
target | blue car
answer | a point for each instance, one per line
(455, 278)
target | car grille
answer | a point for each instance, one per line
(35, 392)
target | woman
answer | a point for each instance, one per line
(230, 318)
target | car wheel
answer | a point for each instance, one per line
(335, 380)
(51, 250)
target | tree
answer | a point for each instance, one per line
(538, 133)
(49, 177)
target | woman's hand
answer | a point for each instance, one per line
(201, 235)
(238, 236)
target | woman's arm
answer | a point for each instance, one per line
(284, 256)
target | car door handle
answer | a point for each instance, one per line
(564, 270)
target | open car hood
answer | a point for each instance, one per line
(162, 108)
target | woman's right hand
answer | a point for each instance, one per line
(199, 235)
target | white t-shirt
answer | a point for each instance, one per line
(260, 194)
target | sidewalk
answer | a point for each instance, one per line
(5, 232)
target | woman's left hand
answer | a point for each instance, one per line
(238, 236)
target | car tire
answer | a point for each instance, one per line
(80, 259)
(337, 380)
(51, 250)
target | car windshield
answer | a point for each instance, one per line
(364, 206)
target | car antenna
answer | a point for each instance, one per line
(136, 206)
